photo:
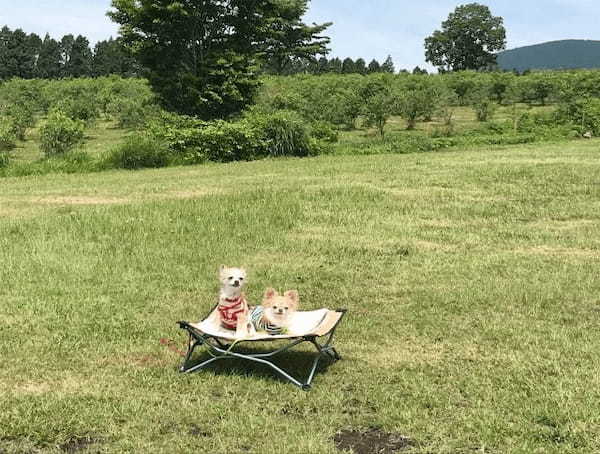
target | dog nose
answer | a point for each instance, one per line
(236, 283)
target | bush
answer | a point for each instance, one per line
(193, 141)
(139, 151)
(60, 134)
(8, 137)
(323, 130)
(284, 133)
(84, 108)
(22, 116)
(412, 143)
(130, 113)
(4, 160)
(582, 114)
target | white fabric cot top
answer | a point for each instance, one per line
(303, 323)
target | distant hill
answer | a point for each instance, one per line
(567, 54)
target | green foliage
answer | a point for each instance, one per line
(481, 100)
(412, 105)
(8, 138)
(582, 113)
(21, 117)
(323, 130)
(60, 133)
(285, 133)
(468, 40)
(205, 64)
(139, 151)
(4, 158)
(378, 101)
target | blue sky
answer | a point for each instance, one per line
(362, 28)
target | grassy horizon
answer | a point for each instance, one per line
(471, 278)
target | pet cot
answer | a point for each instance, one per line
(314, 327)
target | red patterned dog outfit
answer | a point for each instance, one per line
(230, 312)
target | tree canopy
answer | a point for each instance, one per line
(202, 56)
(468, 40)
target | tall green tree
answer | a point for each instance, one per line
(348, 66)
(66, 48)
(360, 66)
(111, 57)
(374, 66)
(335, 65)
(80, 61)
(289, 39)
(388, 65)
(49, 61)
(468, 39)
(201, 56)
(18, 53)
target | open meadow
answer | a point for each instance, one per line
(471, 279)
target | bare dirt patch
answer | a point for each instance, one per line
(77, 444)
(372, 441)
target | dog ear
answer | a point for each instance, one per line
(270, 293)
(293, 296)
(221, 269)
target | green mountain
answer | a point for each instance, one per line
(567, 54)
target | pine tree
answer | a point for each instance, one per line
(388, 65)
(323, 65)
(335, 65)
(360, 66)
(49, 60)
(348, 66)
(66, 48)
(374, 66)
(80, 63)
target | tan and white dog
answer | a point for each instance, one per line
(232, 310)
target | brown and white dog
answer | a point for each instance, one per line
(232, 310)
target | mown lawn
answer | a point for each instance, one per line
(471, 278)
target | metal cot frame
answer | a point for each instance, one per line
(220, 349)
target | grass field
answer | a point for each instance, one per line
(471, 278)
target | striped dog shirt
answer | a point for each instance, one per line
(261, 324)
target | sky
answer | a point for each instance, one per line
(362, 28)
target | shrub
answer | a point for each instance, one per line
(481, 101)
(583, 114)
(412, 105)
(412, 143)
(323, 130)
(83, 108)
(4, 159)
(284, 133)
(8, 137)
(139, 151)
(22, 117)
(130, 113)
(60, 134)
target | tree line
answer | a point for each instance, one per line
(324, 65)
(28, 56)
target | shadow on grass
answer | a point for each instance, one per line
(298, 364)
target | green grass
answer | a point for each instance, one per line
(471, 278)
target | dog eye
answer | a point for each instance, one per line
(230, 277)
(286, 308)
(241, 278)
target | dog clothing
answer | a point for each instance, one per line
(261, 324)
(230, 312)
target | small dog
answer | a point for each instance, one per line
(275, 314)
(232, 310)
